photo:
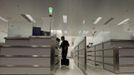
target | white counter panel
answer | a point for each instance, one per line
(126, 69)
(108, 67)
(108, 60)
(126, 52)
(108, 52)
(126, 60)
(100, 59)
(18, 42)
(99, 47)
(25, 51)
(25, 61)
(99, 53)
(25, 71)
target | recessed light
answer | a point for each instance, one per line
(28, 17)
(97, 20)
(64, 18)
(3, 19)
(124, 21)
(84, 21)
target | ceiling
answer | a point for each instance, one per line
(76, 11)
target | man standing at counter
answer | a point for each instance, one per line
(64, 45)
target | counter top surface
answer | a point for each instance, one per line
(116, 40)
(30, 46)
(27, 38)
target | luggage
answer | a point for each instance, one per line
(65, 62)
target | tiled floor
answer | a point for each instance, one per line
(93, 71)
(74, 70)
(71, 70)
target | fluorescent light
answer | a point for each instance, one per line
(84, 21)
(64, 18)
(3, 19)
(28, 17)
(97, 20)
(124, 21)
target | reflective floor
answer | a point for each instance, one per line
(71, 70)
(93, 71)
(74, 70)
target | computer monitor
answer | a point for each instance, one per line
(36, 31)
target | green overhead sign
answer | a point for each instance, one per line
(50, 9)
(50, 0)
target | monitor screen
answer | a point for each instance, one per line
(36, 31)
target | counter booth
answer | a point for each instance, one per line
(27, 51)
(116, 56)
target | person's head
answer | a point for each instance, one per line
(57, 39)
(62, 38)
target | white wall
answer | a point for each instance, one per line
(44, 23)
(101, 37)
(2, 36)
(70, 40)
(89, 39)
(18, 29)
(3, 31)
(121, 32)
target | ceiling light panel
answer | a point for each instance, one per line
(84, 21)
(97, 20)
(64, 18)
(3, 19)
(29, 18)
(124, 21)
